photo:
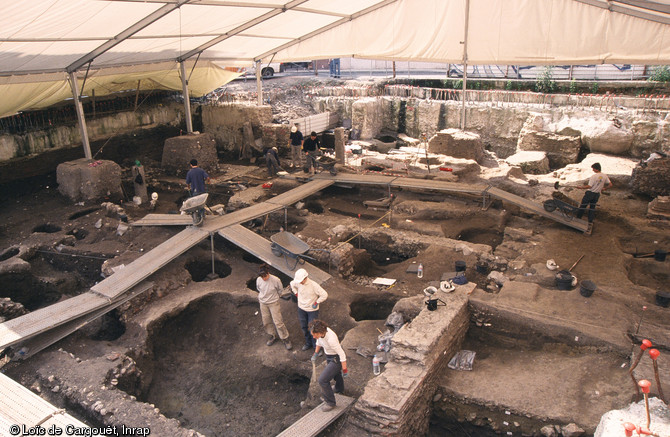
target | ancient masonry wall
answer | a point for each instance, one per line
(62, 137)
(621, 132)
(398, 402)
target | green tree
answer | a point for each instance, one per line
(660, 74)
(545, 82)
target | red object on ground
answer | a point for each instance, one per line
(446, 169)
(646, 344)
(267, 185)
(654, 353)
(644, 385)
(629, 427)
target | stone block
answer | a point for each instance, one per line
(275, 135)
(84, 179)
(561, 150)
(608, 138)
(530, 162)
(457, 143)
(652, 179)
(178, 152)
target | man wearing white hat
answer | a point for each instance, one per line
(310, 295)
(295, 143)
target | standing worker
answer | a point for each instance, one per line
(295, 143)
(597, 183)
(196, 179)
(269, 289)
(311, 147)
(310, 295)
(336, 362)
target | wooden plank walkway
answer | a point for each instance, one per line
(144, 266)
(39, 321)
(19, 406)
(452, 187)
(538, 209)
(164, 220)
(312, 423)
(260, 248)
(37, 343)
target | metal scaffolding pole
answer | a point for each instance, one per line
(80, 116)
(187, 100)
(465, 60)
(259, 83)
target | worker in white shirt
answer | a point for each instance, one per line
(269, 289)
(310, 295)
(336, 362)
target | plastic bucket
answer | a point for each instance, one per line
(482, 267)
(659, 255)
(460, 266)
(564, 280)
(586, 288)
(663, 298)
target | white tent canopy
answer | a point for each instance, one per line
(118, 42)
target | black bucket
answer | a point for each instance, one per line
(663, 298)
(482, 267)
(460, 266)
(586, 288)
(659, 255)
(564, 280)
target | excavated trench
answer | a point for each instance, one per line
(208, 370)
(52, 275)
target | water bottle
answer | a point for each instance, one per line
(419, 272)
(375, 366)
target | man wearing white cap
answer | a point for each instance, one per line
(310, 295)
(295, 143)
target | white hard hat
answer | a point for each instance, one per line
(294, 129)
(300, 275)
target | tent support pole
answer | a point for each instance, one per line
(80, 116)
(187, 100)
(259, 83)
(465, 60)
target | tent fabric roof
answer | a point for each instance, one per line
(61, 36)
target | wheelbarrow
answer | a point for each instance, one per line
(323, 163)
(292, 248)
(196, 207)
(566, 209)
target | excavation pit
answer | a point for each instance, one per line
(47, 228)
(82, 213)
(202, 270)
(9, 253)
(212, 371)
(372, 307)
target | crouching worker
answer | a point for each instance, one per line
(269, 289)
(336, 362)
(272, 161)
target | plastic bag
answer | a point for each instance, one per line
(462, 360)
(395, 320)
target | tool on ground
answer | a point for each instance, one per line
(575, 264)
(646, 344)
(644, 386)
(654, 354)
(644, 308)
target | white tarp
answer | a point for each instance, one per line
(24, 92)
(58, 36)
